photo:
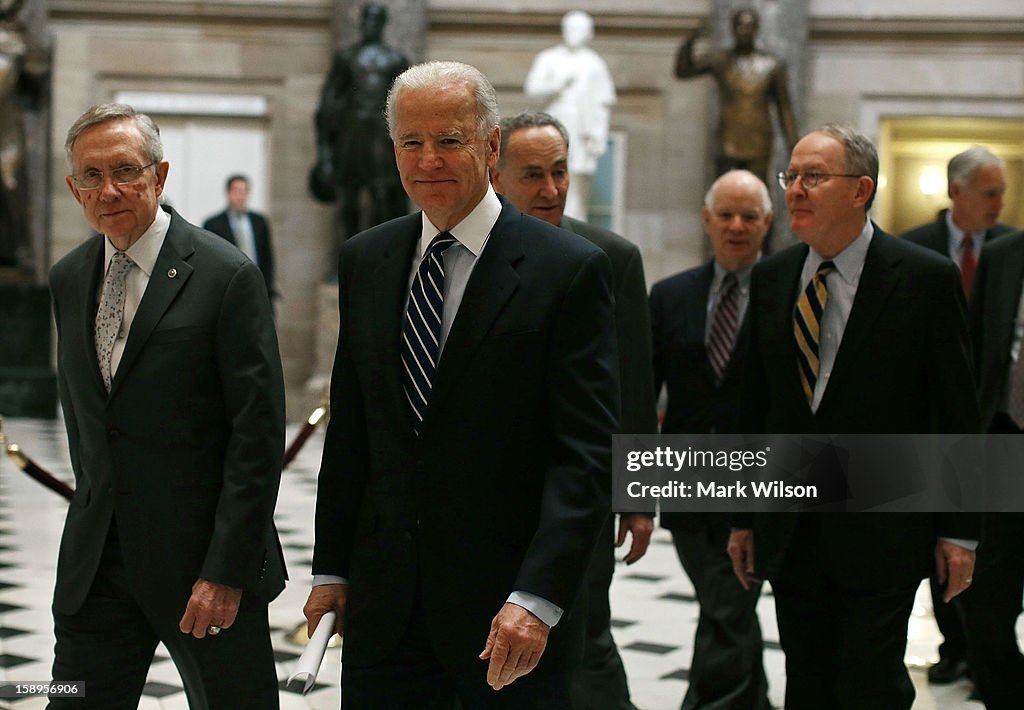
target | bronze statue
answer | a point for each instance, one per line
(749, 82)
(354, 150)
(20, 89)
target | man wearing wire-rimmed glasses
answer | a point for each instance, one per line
(172, 392)
(852, 332)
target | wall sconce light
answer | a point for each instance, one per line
(931, 182)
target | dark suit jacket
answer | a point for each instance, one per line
(903, 367)
(993, 318)
(186, 450)
(697, 404)
(220, 225)
(935, 235)
(507, 485)
(632, 325)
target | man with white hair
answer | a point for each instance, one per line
(976, 180)
(698, 320)
(474, 396)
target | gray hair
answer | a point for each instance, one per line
(104, 113)
(762, 190)
(964, 165)
(860, 157)
(528, 119)
(437, 75)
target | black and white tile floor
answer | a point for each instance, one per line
(655, 613)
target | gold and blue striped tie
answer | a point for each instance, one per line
(807, 327)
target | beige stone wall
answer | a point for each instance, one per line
(927, 56)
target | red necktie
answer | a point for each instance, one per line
(968, 263)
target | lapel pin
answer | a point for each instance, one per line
(171, 273)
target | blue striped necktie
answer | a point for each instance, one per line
(421, 330)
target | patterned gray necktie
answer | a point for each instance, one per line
(111, 311)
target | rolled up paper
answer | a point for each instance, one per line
(308, 665)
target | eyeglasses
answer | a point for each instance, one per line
(124, 175)
(809, 179)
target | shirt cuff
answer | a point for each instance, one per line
(966, 544)
(538, 606)
(321, 579)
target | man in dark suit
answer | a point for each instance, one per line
(533, 173)
(852, 332)
(976, 181)
(699, 355)
(993, 603)
(171, 387)
(474, 395)
(247, 230)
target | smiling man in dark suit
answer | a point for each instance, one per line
(852, 332)
(698, 319)
(247, 230)
(171, 387)
(466, 467)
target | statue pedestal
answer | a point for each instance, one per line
(28, 384)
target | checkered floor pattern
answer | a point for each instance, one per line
(652, 601)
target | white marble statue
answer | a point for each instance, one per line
(575, 82)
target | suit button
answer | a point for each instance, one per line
(113, 433)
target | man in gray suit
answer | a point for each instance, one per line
(171, 387)
(532, 172)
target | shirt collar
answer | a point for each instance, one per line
(742, 276)
(147, 248)
(957, 234)
(850, 261)
(473, 230)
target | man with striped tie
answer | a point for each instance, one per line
(699, 351)
(852, 332)
(465, 475)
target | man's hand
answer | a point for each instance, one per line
(211, 604)
(322, 599)
(741, 552)
(955, 564)
(515, 645)
(641, 526)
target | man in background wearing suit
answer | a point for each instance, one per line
(474, 395)
(993, 603)
(852, 332)
(533, 173)
(171, 387)
(699, 354)
(976, 184)
(976, 180)
(247, 230)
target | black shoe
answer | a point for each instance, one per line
(947, 670)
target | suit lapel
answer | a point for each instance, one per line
(879, 277)
(1008, 274)
(492, 283)
(89, 284)
(170, 273)
(390, 285)
(696, 317)
(779, 288)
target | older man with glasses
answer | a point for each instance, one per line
(852, 332)
(171, 387)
